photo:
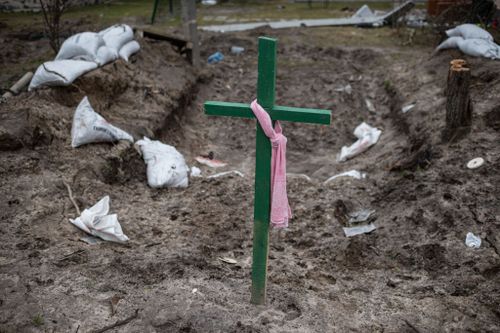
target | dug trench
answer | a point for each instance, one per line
(413, 273)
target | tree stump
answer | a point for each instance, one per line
(458, 102)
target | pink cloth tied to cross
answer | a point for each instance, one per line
(280, 209)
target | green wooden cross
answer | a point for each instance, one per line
(262, 204)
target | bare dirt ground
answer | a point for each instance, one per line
(412, 274)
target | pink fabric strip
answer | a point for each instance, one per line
(280, 209)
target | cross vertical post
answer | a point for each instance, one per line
(265, 97)
(266, 82)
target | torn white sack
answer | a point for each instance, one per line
(479, 48)
(367, 137)
(166, 167)
(469, 31)
(363, 229)
(128, 49)
(116, 36)
(351, 173)
(82, 46)
(89, 127)
(96, 221)
(60, 72)
(450, 43)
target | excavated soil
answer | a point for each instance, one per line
(412, 274)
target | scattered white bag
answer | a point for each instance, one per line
(166, 166)
(96, 221)
(450, 43)
(60, 72)
(116, 36)
(105, 55)
(82, 46)
(351, 173)
(479, 48)
(469, 31)
(89, 126)
(367, 137)
(128, 49)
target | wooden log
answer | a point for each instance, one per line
(190, 29)
(458, 102)
(19, 85)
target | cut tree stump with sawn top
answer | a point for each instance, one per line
(458, 102)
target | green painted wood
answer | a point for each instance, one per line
(155, 8)
(266, 82)
(311, 116)
(282, 113)
(228, 109)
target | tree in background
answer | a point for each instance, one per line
(52, 11)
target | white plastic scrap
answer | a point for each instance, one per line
(166, 166)
(367, 137)
(369, 105)
(89, 127)
(469, 31)
(347, 89)
(82, 46)
(472, 240)
(351, 173)
(60, 72)
(363, 229)
(195, 172)
(128, 49)
(96, 221)
(221, 174)
(407, 108)
(475, 163)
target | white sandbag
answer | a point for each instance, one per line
(117, 36)
(128, 49)
(105, 55)
(367, 137)
(60, 72)
(89, 126)
(82, 46)
(450, 43)
(166, 166)
(96, 221)
(479, 48)
(469, 31)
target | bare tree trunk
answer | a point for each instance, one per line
(458, 102)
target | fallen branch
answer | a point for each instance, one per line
(19, 85)
(70, 193)
(118, 323)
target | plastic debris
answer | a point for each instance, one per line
(166, 166)
(475, 163)
(228, 260)
(195, 172)
(472, 240)
(370, 106)
(367, 137)
(210, 162)
(96, 221)
(237, 49)
(236, 172)
(351, 173)
(358, 230)
(215, 58)
(90, 127)
(407, 108)
(364, 12)
(360, 216)
(347, 89)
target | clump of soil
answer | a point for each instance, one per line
(413, 273)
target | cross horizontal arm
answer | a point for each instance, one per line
(283, 113)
